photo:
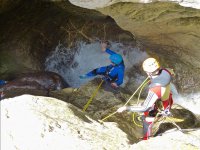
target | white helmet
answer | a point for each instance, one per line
(150, 65)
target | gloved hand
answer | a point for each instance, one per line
(121, 109)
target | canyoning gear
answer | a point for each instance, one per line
(163, 79)
(116, 59)
(111, 73)
(150, 65)
(156, 92)
(137, 118)
(159, 99)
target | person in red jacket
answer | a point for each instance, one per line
(159, 93)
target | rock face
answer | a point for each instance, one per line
(32, 29)
(6, 5)
(34, 33)
(44, 81)
(31, 122)
(94, 4)
(168, 32)
(105, 103)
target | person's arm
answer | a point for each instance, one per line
(148, 103)
(120, 77)
(110, 51)
(104, 48)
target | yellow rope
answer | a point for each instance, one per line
(136, 91)
(127, 101)
(141, 90)
(135, 122)
(91, 98)
(174, 119)
(133, 115)
(167, 118)
(107, 117)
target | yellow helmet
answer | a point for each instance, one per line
(150, 65)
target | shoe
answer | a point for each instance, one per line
(83, 76)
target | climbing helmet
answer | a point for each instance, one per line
(150, 65)
(116, 59)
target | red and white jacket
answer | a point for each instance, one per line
(159, 89)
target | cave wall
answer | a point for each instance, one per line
(33, 29)
(165, 25)
(165, 29)
(168, 32)
(94, 4)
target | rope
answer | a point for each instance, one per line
(136, 91)
(133, 115)
(172, 121)
(107, 117)
(141, 90)
(127, 101)
(91, 98)
(136, 122)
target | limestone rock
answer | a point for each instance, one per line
(93, 4)
(30, 122)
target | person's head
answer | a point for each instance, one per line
(151, 66)
(116, 59)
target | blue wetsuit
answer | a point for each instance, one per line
(112, 73)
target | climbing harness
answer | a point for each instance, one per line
(93, 95)
(167, 116)
(127, 101)
(173, 122)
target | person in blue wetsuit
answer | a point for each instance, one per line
(113, 73)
